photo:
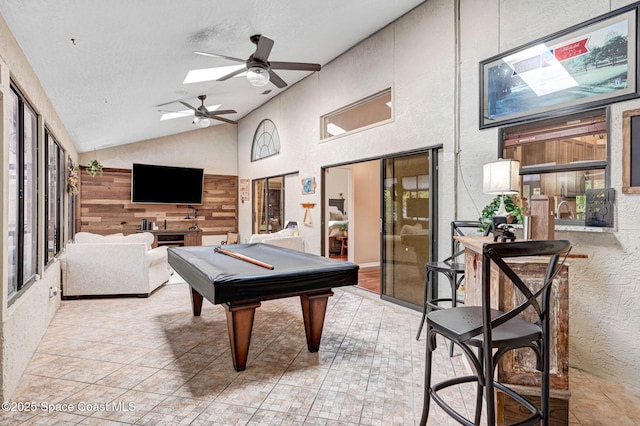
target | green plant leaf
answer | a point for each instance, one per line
(510, 205)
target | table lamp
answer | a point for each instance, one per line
(501, 177)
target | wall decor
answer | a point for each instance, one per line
(307, 213)
(244, 190)
(309, 185)
(588, 65)
(631, 152)
(599, 208)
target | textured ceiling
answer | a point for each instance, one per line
(107, 64)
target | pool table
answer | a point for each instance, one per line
(241, 285)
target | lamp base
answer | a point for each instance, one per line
(501, 208)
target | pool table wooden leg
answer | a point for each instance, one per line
(196, 302)
(240, 322)
(314, 306)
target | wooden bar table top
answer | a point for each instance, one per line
(517, 368)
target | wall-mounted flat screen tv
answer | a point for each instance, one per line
(166, 185)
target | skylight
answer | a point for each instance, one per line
(208, 74)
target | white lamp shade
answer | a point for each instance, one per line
(501, 177)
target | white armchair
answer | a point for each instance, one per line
(113, 265)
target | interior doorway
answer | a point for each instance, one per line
(385, 210)
(352, 218)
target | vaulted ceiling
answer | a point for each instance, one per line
(112, 67)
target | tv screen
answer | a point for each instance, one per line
(166, 185)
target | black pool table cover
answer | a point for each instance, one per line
(223, 279)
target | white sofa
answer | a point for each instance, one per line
(96, 265)
(285, 238)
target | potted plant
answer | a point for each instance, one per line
(72, 179)
(344, 227)
(94, 168)
(510, 205)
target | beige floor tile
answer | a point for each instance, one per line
(150, 361)
(218, 413)
(247, 393)
(130, 407)
(164, 382)
(174, 410)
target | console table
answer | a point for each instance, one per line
(175, 237)
(517, 368)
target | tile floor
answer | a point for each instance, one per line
(149, 361)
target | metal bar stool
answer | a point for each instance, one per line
(485, 330)
(450, 268)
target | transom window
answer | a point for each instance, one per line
(373, 110)
(561, 158)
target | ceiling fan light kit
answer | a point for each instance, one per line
(260, 70)
(202, 122)
(258, 76)
(203, 116)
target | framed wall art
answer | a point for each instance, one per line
(309, 185)
(585, 66)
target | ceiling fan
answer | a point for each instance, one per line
(259, 70)
(204, 116)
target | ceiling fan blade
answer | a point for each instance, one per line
(215, 55)
(226, 120)
(232, 74)
(296, 66)
(188, 106)
(275, 79)
(223, 111)
(263, 49)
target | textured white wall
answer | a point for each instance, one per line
(402, 56)
(417, 57)
(26, 320)
(213, 149)
(603, 297)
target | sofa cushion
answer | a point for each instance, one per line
(141, 237)
(336, 216)
(90, 238)
(258, 238)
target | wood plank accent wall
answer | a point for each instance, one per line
(104, 206)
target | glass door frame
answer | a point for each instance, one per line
(432, 153)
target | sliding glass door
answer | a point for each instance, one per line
(409, 202)
(268, 205)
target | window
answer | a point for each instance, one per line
(562, 159)
(54, 195)
(22, 196)
(375, 109)
(415, 197)
(72, 170)
(268, 205)
(266, 140)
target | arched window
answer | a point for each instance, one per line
(266, 141)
